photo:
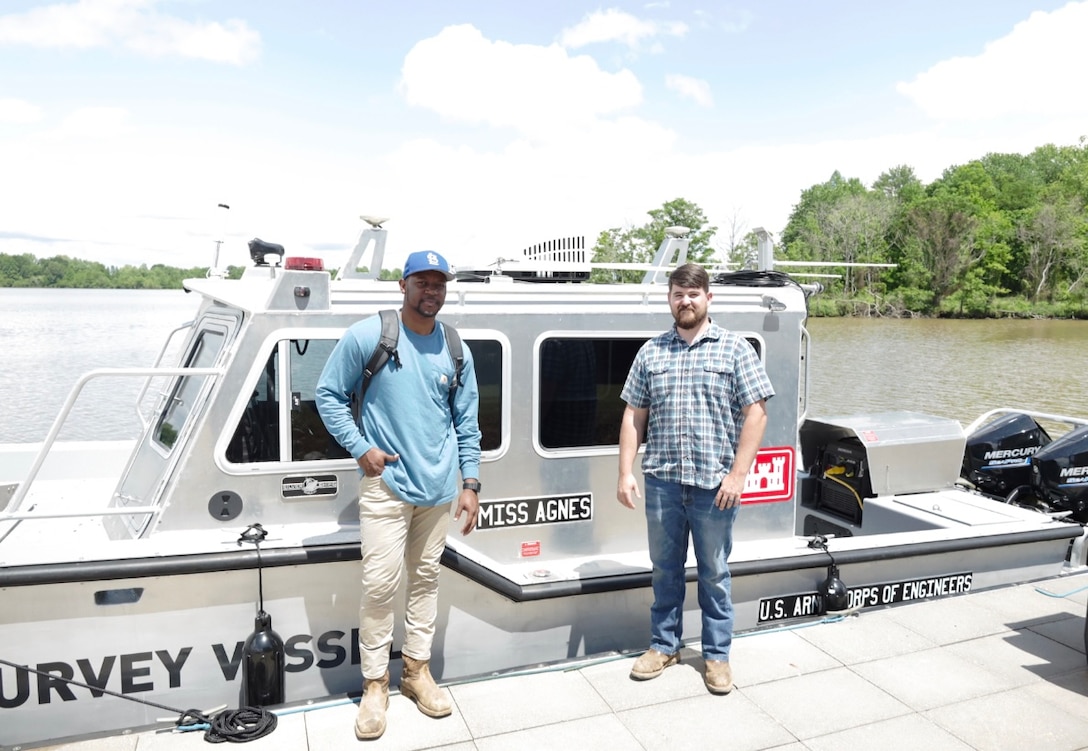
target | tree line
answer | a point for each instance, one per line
(1004, 235)
(26, 270)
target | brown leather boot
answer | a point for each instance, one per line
(417, 684)
(652, 664)
(370, 723)
(718, 677)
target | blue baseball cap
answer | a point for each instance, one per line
(426, 260)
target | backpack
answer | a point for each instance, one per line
(387, 347)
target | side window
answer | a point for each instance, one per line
(204, 352)
(487, 356)
(580, 380)
(309, 439)
(257, 435)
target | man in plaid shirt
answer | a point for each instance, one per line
(697, 394)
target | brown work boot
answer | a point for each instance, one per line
(652, 664)
(370, 723)
(417, 684)
(718, 677)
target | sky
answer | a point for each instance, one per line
(482, 127)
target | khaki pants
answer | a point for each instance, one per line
(397, 538)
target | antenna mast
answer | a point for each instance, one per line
(215, 270)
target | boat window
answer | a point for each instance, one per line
(257, 436)
(487, 357)
(580, 384)
(203, 354)
(310, 441)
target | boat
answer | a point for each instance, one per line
(134, 574)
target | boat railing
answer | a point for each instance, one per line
(144, 419)
(806, 348)
(505, 290)
(1047, 416)
(16, 513)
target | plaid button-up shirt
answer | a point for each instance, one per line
(695, 395)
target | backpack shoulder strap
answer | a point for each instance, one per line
(457, 354)
(387, 347)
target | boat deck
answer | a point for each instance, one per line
(1000, 669)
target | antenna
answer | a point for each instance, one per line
(215, 270)
(374, 221)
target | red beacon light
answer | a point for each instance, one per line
(304, 263)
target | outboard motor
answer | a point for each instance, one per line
(998, 456)
(1060, 474)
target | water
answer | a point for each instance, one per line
(50, 337)
(956, 369)
(952, 368)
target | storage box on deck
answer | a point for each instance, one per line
(906, 452)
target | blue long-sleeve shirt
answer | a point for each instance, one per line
(406, 410)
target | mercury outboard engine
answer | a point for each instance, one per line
(1060, 474)
(998, 456)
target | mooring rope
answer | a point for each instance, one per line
(228, 726)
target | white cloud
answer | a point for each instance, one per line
(19, 112)
(133, 24)
(687, 87)
(539, 91)
(563, 151)
(230, 42)
(94, 122)
(1038, 67)
(613, 25)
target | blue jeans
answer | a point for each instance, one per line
(672, 513)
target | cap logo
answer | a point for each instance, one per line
(426, 260)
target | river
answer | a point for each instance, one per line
(951, 368)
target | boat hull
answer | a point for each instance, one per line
(174, 635)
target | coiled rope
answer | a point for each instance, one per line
(232, 725)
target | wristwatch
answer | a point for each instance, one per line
(472, 485)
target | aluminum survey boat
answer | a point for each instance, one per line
(127, 576)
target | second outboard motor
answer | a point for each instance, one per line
(1060, 474)
(998, 456)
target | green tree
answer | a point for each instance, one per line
(899, 184)
(679, 213)
(804, 238)
(972, 195)
(841, 221)
(616, 246)
(16, 271)
(944, 234)
(1054, 237)
(640, 244)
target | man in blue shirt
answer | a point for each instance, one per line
(697, 394)
(411, 441)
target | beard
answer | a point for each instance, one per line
(689, 318)
(427, 308)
